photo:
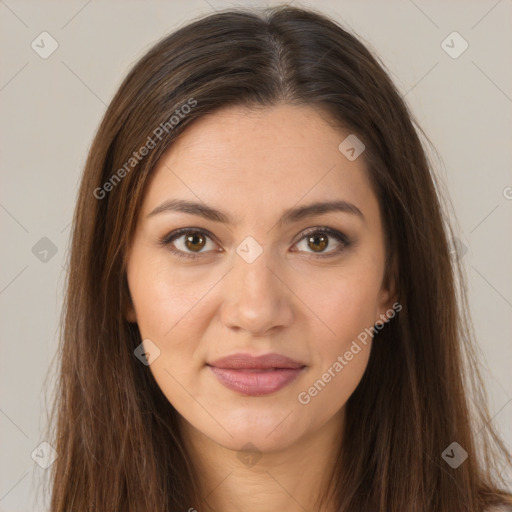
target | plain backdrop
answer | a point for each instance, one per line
(51, 107)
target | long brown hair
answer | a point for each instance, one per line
(116, 434)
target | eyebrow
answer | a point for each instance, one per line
(289, 216)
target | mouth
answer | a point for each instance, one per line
(256, 376)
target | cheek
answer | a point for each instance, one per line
(167, 307)
(169, 315)
(340, 358)
(345, 301)
(346, 306)
(164, 299)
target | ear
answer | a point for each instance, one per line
(128, 309)
(130, 314)
(388, 295)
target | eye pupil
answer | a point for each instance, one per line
(318, 239)
(192, 239)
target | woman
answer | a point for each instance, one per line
(262, 311)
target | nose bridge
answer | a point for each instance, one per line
(255, 298)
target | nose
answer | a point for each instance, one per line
(256, 297)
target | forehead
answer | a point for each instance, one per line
(246, 160)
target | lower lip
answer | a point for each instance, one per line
(254, 382)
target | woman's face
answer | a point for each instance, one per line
(256, 272)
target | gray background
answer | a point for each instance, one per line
(50, 109)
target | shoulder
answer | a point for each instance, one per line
(499, 508)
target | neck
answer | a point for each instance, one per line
(291, 479)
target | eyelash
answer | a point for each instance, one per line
(337, 235)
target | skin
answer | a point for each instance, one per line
(253, 165)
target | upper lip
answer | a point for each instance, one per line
(246, 361)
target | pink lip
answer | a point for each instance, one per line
(256, 376)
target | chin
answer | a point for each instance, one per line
(268, 432)
(249, 440)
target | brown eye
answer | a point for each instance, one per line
(318, 242)
(195, 241)
(189, 242)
